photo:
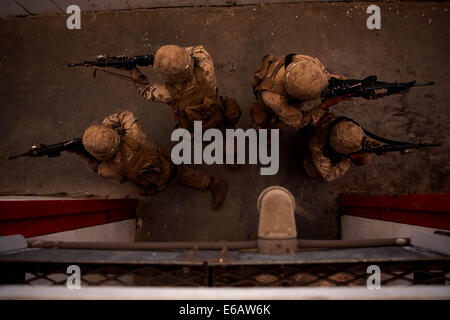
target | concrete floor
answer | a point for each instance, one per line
(42, 100)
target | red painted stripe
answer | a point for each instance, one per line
(44, 225)
(38, 217)
(418, 218)
(118, 215)
(423, 202)
(416, 202)
(20, 209)
(370, 213)
(431, 210)
(365, 201)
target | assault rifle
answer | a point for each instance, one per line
(106, 61)
(368, 88)
(52, 150)
(403, 147)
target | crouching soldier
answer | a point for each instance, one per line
(282, 86)
(119, 149)
(190, 88)
(331, 145)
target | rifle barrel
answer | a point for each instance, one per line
(432, 145)
(416, 145)
(78, 64)
(424, 84)
(18, 156)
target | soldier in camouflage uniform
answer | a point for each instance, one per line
(282, 86)
(119, 149)
(190, 88)
(329, 146)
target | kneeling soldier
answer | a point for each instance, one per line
(282, 85)
(331, 145)
(119, 149)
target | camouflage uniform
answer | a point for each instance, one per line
(319, 159)
(196, 98)
(276, 107)
(142, 161)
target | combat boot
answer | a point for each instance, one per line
(219, 189)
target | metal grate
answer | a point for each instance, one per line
(331, 275)
(283, 275)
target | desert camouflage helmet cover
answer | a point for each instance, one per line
(101, 142)
(346, 137)
(305, 80)
(173, 63)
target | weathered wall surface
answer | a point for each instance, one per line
(42, 100)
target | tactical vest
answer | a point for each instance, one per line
(268, 77)
(198, 103)
(141, 164)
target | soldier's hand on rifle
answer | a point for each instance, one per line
(329, 102)
(374, 143)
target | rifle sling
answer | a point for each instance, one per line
(117, 75)
(368, 133)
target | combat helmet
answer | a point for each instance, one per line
(304, 80)
(346, 137)
(173, 64)
(101, 142)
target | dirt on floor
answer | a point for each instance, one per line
(42, 100)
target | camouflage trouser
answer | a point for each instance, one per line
(189, 177)
(193, 178)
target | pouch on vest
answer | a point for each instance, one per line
(261, 70)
